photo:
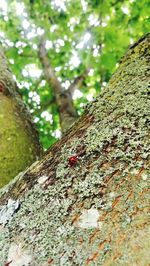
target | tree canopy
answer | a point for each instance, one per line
(83, 38)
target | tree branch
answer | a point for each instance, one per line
(48, 70)
(77, 83)
(67, 111)
(45, 106)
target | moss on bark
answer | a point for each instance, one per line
(17, 149)
(19, 145)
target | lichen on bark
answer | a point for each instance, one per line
(96, 211)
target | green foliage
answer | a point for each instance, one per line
(81, 34)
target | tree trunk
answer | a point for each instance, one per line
(86, 201)
(63, 98)
(19, 144)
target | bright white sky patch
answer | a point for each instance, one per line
(59, 43)
(77, 94)
(48, 117)
(43, 83)
(9, 43)
(35, 97)
(82, 104)
(53, 28)
(72, 22)
(84, 41)
(96, 52)
(104, 24)
(104, 84)
(65, 37)
(35, 46)
(75, 60)
(32, 71)
(20, 44)
(84, 5)
(107, 18)
(11, 60)
(87, 37)
(57, 50)
(40, 31)
(80, 45)
(14, 78)
(24, 84)
(125, 10)
(31, 34)
(19, 8)
(36, 119)
(93, 20)
(131, 41)
(89, 97)
(60, 79)
(59, 5)
(56, 133)
(3, 6)
(89, 218)
(57, 69)
(48, 44)
(2, 34)
(66, 84)
(91, 72)
(25, 24)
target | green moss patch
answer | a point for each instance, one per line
(16, 144)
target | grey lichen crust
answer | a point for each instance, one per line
(95, 211)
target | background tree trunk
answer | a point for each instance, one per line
(86, 202)
(19, 144)
(63, 98)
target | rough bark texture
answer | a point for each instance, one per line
(19, 144)
(90, 209)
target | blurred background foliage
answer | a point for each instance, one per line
(80, 35)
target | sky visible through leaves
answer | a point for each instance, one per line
(80, 35)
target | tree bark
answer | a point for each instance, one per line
(86, 201)
(19, 144)
(63, 98)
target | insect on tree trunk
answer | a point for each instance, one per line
(94, 210)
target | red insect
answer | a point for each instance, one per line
(2, 89)
(73, 160)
